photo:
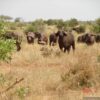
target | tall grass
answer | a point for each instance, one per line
(48, 72)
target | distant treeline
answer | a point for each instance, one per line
(40, 24)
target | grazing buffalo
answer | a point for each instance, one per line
(42, 38)
(52, 39)
(97, 38)
(12, 35)
(15, 36)
(65, 41)
(80, 39)
(30, 37)
(87, 38)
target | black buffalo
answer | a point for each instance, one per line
(52, 39)
(42, 38)
(65, 41)
(15, 36)
(87, 38)
(30, 37)
(97, 38)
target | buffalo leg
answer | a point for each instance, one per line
(68, 49)
(73, 46)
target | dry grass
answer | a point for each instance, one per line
(50, 74)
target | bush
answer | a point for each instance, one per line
(2, 28)
(72, 22)
(29, 28)
(98, 21)
(96, 28)
(22, 92)
(80, 29)
(78, 77)
(36, 26)
(6, 48)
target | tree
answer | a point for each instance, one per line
(96, 26)
(36, 26)
(5, 18)
(2, 28)
(18, 19)
(72, 22)
(98, 21)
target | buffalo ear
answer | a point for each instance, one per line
(57, 34)
(65, 34)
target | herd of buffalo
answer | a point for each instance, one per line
(65, 40)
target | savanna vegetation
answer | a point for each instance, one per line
(41, 72)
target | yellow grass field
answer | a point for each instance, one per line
(50, 74)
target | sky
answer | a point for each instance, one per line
(30, 10)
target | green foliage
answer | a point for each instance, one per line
(22, 92)
(18, 19)
(6, 48)
(58, 22)
(96, 28)
(61, 24)
(30, 28)
(2, 28)
(80, 29)
(98, 21)
(5, 18)
(36, 26)
(72, 22)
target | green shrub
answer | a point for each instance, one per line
(6, 48)
(2, 28)
(80, 29)
(36, 26)
(22, 92)
(96, 28)
(72, 22)
(29, 28)
(98, 21)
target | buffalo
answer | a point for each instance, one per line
(15, 36)
(42, 38)
(30, 37)
(97, 38)
(81, 39)
(52, 39)
(87, 38)
(12, 35)
(65, 41)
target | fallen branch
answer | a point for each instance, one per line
(10, 87)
